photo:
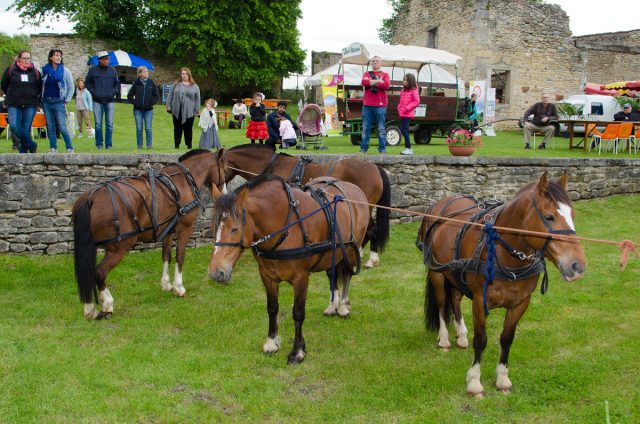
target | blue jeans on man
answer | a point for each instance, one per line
(108, 109)
(20, 120)
(145, 118)
(369, 114)
(56, 115)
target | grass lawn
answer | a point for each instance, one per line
(506, 143)
(198, 359)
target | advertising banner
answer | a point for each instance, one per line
(329, 96)
(490, 111)
(478, 88)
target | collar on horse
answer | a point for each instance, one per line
(152, 175)
(491, 268)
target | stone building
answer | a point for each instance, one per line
(525, 48)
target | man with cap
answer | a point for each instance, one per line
(626, 114)
(104, 86)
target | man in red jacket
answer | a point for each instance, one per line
(375, 83)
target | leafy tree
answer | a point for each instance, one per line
(10, 46)
(248, 42)
(386, 32)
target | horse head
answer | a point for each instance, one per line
(229, 223)
(551, 211)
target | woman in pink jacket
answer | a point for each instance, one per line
(409, 101)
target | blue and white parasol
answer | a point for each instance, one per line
(122, 58)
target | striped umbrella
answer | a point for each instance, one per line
(122, 58)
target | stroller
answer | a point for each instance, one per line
(309, 123)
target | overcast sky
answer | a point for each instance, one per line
(330, 25)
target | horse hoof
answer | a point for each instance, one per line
(179, 291)
(167, 287)
(271, 345)
(295, 358)
(104, 315)
(463, 345)
(370, 264)
(444, 348)
(505, 390)
(330, 311)
(480, 395)
(344, 312)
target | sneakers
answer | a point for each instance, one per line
(526, 146)
(69, 150)
(542, 146)
(92, 133)
(406, 152)
(362, 152)
(54, 150)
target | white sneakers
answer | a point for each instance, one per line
(406, 152)
(54, 150)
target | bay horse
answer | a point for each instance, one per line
(116, 214)
(459, 255)
(248, 160)
(303, 232)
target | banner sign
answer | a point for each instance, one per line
(329, 97)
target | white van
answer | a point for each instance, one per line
(594, 107)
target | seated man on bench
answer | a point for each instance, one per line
(239, 112)
(538, 118)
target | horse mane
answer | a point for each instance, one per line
(191, 153)
(554, 191)
(253, 146)
(260, 179)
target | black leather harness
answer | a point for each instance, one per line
(297, 173)
(459, 266)
(152, 177)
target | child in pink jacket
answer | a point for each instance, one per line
(409, 101)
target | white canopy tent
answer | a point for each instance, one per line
(398, 54)
(433, 74)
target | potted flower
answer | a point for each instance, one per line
(462, 142)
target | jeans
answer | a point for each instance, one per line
(369, 113)
(145, 117)
(108, 109)
(404, 129)
(56, 116)
(20, 120)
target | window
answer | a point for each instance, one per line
(597, 108)
(432, 38)
(501, 81)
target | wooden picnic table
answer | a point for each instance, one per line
(583, 143)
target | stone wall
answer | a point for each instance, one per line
(610, 57)
(37, 191)
(531, 41)
(77, 52)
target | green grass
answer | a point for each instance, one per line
(198, 359)
(505, 144)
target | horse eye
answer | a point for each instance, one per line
(234, 230)
(550, 218)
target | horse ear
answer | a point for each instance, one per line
(543, 183)
(242, 196)
(215, 193)
(563, 179)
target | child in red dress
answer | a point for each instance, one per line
(257, 129)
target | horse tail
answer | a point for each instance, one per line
(431, 311)
(382, 214)
(84, 251)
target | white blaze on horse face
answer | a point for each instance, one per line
(219, 234)
(224, 189)
(565, 211)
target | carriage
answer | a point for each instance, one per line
(441, 108)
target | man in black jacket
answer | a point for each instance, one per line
(143, 94)
(626, 114)
(273, 124)
(538, 118)
(102, 82)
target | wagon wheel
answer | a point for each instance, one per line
(394, 136)
(423, 135)
(356, 139)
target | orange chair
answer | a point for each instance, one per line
(634, 139)
(39, 122)
(610, 135)
(4, 123)
(626, 131)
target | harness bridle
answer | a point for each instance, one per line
(491, 268)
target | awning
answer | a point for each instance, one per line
(122, 58)
(397, 54)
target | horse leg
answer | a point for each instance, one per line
(165, 281)
(374, 259)
(113, 255)
(344, 310)
(511, 320)
(182, 238)
(474, 386)
(436, 291)
(458, 320)
(300, 287)
(272, 345)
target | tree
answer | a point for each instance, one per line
(9, 48)
(386, 32)
(249, 42)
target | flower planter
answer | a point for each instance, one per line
(462, 150)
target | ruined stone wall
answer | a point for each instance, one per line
(532, 41)
(37, 191)
(320, 61)
(77, 52)
(610, 57)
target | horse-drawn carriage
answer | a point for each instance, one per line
(441, 109)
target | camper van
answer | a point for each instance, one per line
(594, 107)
